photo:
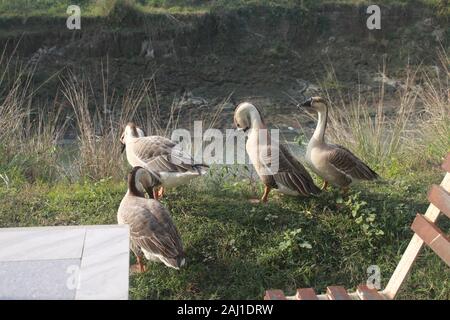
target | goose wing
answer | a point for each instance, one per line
(152, 229)
(345, 161)
(293, 174)
(286, 170)
(160, 154)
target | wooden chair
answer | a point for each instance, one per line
(425, 231)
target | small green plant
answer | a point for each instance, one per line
(293, 241)
(271, 218)
(363, 216)
(301, 140)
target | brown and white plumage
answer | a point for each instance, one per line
(273, 162)
(334, 163)
(292, 174)
(161, 156)
(152, 231)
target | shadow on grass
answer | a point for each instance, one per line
(237, 249)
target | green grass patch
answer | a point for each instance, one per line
(95, 8)
(236, 249)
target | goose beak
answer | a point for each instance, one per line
(306, 103)
(149, 192)
(123, 148)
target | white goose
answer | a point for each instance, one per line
(152, 231)
(160, 156)
(334, 163)
(275, 166)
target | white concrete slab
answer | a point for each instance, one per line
(105, 269)
(41, 243)
(37, 279)
(81, 262)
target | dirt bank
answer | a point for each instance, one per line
(269, 55)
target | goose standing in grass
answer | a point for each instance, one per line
(275, 165)
(335, 164)
(161, 157)
(152, 231)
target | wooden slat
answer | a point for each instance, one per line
(446, 164)
(413, 249)
(433, 237)
(306, 294)
(365, 293)
(440, 198)
(274, 295)
(337, 293)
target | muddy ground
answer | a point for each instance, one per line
(272, 57)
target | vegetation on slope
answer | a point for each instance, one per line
(52, 8)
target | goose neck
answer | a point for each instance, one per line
(132, 188)
(257, 123)
(319, 133)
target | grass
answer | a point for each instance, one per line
(101, 8)
(368, 126)
(437, 104)
(237, 250)
(98, 126)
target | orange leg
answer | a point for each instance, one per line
(155, 194)
(325, 185)
(161, 192)
(141, 264)
(139, 267)
(266, 194)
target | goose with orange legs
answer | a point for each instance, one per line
(335, 164)
(170, 165)
(153, 233)
(277, 168)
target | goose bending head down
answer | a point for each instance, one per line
(161, 156)
(335, 164)
(153, 234)
(275, 165)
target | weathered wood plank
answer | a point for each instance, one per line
(446, 164)
(433, 237)
(274, 295)
(365, 293)
(440, 198)
(306, 294)
(413, 249)
(337, 293)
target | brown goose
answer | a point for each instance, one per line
(275, 165)
(160, 156)
(334, 163)
(152, 231)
